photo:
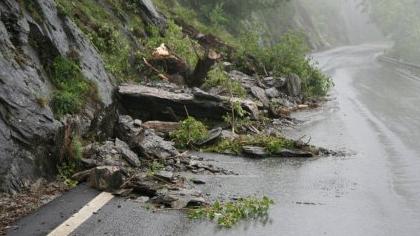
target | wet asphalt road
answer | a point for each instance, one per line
(374, 114)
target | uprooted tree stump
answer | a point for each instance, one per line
(177, 70)
(204, 64)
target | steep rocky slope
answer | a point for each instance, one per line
(32, 34)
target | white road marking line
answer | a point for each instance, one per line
(68, 226)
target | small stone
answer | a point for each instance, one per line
(272, 92)
(166, 175)
(274, 82)
(198, 181)
(255, 151)
(169, 168)
(293, 153)
(142, 199)
(227, 134)
(138, 122)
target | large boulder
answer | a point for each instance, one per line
(106, 178)
(151, 103)
(294, 86)
(144, 141)
(153, 146)
(127, 129)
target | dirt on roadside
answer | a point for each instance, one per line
(16, 206)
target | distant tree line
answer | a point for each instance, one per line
(400, 21)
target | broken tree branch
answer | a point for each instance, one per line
(160, 75)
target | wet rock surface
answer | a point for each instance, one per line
(113, 153)
(27, 128)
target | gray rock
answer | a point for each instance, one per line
(138, 123)
(151, 145)
(252, 108)
(149, 103)
(106, 178)
(169, 168)
(259, 93)
(213, 136)
(142, 199)
(122, 192)
(246, 80)
(146, 187)
(283, 102)
(294, 86)
(126, 153)
(200, 94)
(272, 82)
(150, 14)
(110, 153)
(227, 134)
(181, 198)
(293, 153)
(166, 175)
(272, 92)
(29, 134)
(127, 130)
(255, 151)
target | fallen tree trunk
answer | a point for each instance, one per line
(176, 67)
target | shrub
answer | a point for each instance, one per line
(71, 163)
(270, 143)
(228, 214)
(154, 167)
(103, 31)
(65, 172)
(218, 77)
(73, 88)
(286, 57)
(217, 16)
(190, 131)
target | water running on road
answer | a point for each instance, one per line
(373, 113)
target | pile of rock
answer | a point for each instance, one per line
(277, 94)
(124, 166)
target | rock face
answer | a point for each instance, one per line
(28, 129)
(150, 14)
